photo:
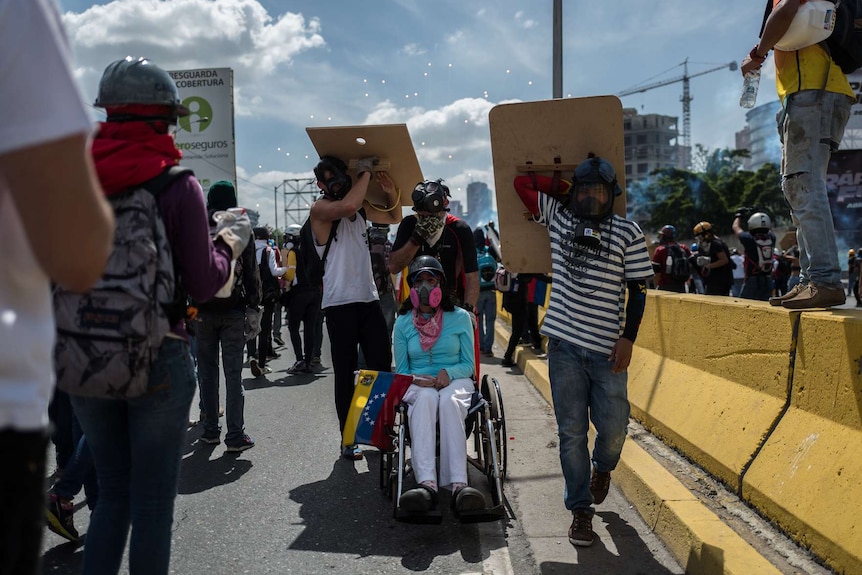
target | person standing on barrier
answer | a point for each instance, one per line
(815, 98)
(596, 256)
(353, 315)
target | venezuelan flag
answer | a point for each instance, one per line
(375, 397)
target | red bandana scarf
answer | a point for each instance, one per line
(131, 153)
(429, 328)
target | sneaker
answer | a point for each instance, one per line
(298, 367)
(265, 370)
(507, 362)
(794, 291)
(351, 452)
(59, 514)
(244, 443)
(278, 340)
(211, 438)
(600, 482)
(315, 360)
(814, 296)
(273, 355)
(581, 530)
(255, 368)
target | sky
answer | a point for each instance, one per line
(438, 66)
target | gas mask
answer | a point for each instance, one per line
(429, 196)
(425, 293)
(332, 175)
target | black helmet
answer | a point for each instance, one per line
(425, 264)
(138, 81)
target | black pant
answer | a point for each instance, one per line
(349, 326)
(264, 340)
(516, 304)
(304, 307)
(22, 500)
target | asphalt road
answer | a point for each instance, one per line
(291, 505)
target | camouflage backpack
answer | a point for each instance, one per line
(107, 338)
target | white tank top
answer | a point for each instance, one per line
(348, 277)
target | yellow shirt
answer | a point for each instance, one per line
(807, 69)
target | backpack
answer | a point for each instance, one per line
(676, 265)
(314, 266)
(487, 271)
(765, 249)
(505, 281)
(108, 337)
(270, 290)
(377, 240)
(844, 45)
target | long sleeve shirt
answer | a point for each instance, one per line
(453, 350)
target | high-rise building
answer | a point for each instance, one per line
(480, 204)
(651, 142)
(760, 136)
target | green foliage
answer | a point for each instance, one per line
(683, 198)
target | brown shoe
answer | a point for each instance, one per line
(581, 530)
(600, 482)
(814, 296)
(776, 300)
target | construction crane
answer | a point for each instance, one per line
(686, 94)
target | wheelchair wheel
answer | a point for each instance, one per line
(491, 392)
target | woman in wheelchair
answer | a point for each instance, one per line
(433, 340)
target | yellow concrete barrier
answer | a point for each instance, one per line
(767, 400)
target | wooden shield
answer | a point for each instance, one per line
(390, 143)
(543, 137)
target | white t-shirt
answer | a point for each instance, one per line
(739, 270)
(41, 103)
(348, 277)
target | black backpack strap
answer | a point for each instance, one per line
(766, 12)
(329, 240)
(161, 182)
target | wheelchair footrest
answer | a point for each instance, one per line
(432, 517)
(482, 515)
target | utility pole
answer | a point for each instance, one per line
(275, 206)
(558, 49)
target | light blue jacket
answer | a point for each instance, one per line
(453, 351)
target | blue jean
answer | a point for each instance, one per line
(137, 445)
(80, 472)
(584, 389)
(225, 328)
(812, 127)
(486, 310)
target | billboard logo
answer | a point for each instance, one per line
(201, 115)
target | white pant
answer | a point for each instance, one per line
(451, 403)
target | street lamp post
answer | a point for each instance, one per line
(275, 206)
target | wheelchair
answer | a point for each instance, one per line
(486, 423)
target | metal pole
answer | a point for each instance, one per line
(275, 207)
(558, 49)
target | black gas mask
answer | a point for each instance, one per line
(430, 196)
(331, 172)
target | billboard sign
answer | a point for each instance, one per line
(844, 184)
(206, 136)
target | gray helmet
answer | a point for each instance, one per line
(138, 81)
(425, 264)
(759, 221)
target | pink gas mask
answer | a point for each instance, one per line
(425, 293)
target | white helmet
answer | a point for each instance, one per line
(759, 221)
(293, 229)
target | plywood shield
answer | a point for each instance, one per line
(391, 143)
(544, 137)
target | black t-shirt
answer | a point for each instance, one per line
(722, 276)
(457, 236)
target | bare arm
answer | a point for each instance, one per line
(391, 215)
(776, 26)
(471, 290)
(58, 197)
(325, 211)
(737, 229)
(401, 258)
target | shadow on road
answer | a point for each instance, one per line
(631, 556)
(348, 513)
(199, 473)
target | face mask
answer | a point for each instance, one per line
(425, 294)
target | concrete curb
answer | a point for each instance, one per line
(697, 537)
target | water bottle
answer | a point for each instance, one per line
(749, 89)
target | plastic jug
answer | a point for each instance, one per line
(813, 23)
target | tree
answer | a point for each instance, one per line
(683, 198)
